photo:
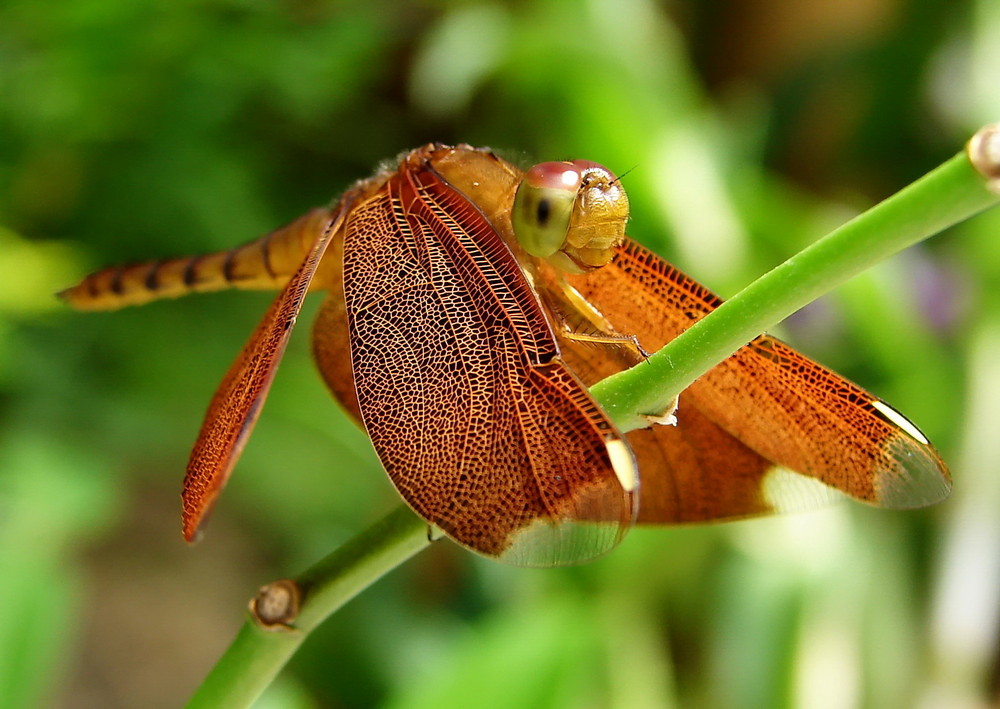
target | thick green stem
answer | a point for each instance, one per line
(257, 655)
(948, 195)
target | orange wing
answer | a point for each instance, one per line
(764, 411)
(237, 402)
(479, 425)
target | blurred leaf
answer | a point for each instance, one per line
(49, 503)
(31, 273)
(525, 657)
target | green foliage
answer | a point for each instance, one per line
(134, 130)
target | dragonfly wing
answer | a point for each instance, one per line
(237, 402)
(479, 424)
(757, 431)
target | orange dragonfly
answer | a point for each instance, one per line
(470, 306)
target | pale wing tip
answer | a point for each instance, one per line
(548, 543)
(917, 478)
(589, 522)
(595, 522)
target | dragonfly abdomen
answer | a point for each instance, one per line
(263, 264)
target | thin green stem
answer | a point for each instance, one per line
(949, 194)
(257, 655)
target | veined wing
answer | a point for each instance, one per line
(237, 402)
(762, 413)
(479, 424)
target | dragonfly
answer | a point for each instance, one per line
(469, 307)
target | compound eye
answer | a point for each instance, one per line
(544, 204)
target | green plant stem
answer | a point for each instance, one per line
(257, 655)
(946, 196)
(950, 194)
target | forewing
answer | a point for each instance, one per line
(480, 426)
(757, 431)
(237, 402)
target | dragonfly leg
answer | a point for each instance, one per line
(630, 342)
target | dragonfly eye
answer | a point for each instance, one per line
(543, 206)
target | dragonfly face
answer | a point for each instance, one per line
(470, 305)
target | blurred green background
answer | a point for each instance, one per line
(133, 130)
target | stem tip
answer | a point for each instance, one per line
(983, 150)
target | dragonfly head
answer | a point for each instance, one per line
(571, 213)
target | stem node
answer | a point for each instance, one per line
(276, 605)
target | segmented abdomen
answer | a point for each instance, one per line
(262, 264)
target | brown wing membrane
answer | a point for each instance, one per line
(239, 398)
(478, 423)
(766, 407)
(693, 472)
